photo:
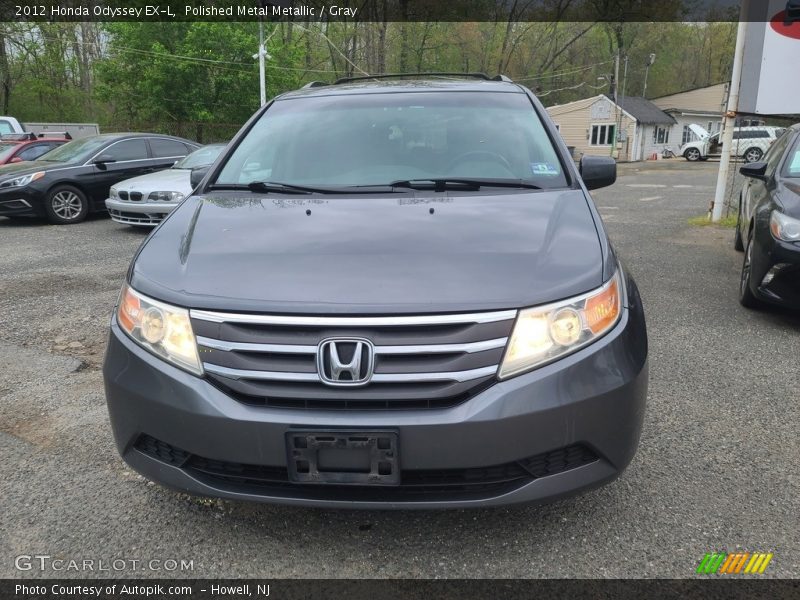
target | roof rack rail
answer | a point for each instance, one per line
(313, 84)
(49, 134)
(482, 76)
(19, 137)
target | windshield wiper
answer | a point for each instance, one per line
(265, 187)
(465, 183)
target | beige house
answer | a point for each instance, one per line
(631, 130)
(703, 106)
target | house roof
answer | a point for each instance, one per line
(645, 111)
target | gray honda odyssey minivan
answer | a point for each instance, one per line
(386, 292)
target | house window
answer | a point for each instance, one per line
(688, 135)
(602, 135)
(661, 135)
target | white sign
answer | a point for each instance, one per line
(771, 65)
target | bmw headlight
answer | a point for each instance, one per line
(164, 330)
(166, 196)
(22, 180)
(545, 333)
(112, 193)
(783, 227)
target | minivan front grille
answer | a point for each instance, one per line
(427, 361)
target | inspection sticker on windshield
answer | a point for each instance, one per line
(545, 169)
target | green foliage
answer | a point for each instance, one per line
(200, 80)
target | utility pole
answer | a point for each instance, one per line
(262, 75)
(622, 98)
(730, 116)
(618, 112)
(650, 60)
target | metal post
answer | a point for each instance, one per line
(618, 114)
(650, 60)
(730, 116)
(262, 76)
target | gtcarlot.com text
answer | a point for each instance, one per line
(45, 562)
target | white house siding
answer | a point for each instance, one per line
(703, 106)
(575, 121)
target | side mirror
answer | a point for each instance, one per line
(598, 171)
(755, 170)
(197, 174)
(100, 161)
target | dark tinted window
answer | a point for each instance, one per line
(126, 150)
(35, 151)
(167, 148)
(775, 153)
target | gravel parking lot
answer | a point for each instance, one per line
(717, 467)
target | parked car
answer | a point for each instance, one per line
(146, 200)
(749, 143)
(20, 147)
(383, 294)
(768, 229)
(67, 183)
(10, 125)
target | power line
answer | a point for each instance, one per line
(553, 74)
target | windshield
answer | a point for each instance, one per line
(199, 158)
(375, 139)
(6, 149)
(793, 163)
(77, 150)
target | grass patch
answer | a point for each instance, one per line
(703, 221)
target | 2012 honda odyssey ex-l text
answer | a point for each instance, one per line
(384, 293)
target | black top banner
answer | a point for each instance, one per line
(373, 10)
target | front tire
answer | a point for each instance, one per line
(66, 205)
(692, 155)
(738, 243)
(752, 155)
(746, 296)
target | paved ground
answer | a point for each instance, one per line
(717, 468)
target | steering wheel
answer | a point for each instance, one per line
(484, 154)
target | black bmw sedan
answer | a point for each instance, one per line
(769, 226)
(67, 183)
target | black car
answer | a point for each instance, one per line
(383, 294)
(769, 226)
(67, 183)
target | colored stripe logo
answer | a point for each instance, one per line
(724, 563)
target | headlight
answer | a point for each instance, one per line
(166, 196)
(164, 330)
(783, 227)
(545, 333)
(23, 180)
(112, 193)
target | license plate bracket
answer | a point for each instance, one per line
(343, 457)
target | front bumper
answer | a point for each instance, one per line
(593, 399)
(138, 213)
(775, 270)
(18, 202)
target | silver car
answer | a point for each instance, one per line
(147, 199)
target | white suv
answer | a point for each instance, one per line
(749, 143)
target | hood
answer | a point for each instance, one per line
(789, 196)
(168, 180)
(699, 131)
(25, 167)
(369, 255)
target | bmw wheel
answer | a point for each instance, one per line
(753, 155)
(66, 205)
(692, 154)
